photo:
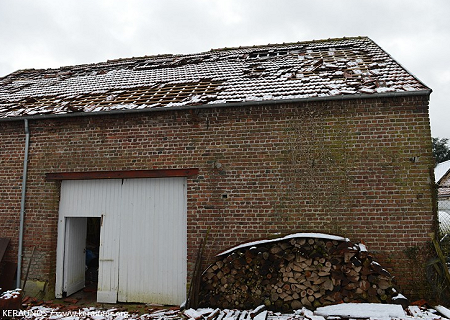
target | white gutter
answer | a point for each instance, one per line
(22, 204)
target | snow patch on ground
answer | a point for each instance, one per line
(337, 312)
(10, 294)
(362, 310)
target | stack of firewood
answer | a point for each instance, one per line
(295, 272)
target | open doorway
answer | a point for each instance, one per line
(92, 253)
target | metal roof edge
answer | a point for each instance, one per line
(222, 105)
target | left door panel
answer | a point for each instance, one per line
(74, 255)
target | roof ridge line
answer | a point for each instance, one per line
(289, 43)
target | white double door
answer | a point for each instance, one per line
(143, 240)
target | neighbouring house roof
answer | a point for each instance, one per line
(441, 177)
(441, 170)
(334, 68)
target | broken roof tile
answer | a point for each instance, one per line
(302, 70)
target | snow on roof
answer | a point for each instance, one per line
(440, 170)
(315, 69)
(290, 236)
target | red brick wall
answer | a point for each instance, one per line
(341, 167)
(11, 156)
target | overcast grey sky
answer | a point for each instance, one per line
(49, 34)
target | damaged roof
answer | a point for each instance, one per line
(333, 68)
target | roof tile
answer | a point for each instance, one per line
(325, 68)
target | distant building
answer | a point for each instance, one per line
(442, 178)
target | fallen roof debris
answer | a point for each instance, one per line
(41, 310)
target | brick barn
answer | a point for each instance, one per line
(135, 159)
